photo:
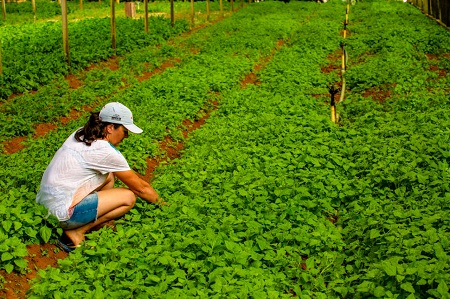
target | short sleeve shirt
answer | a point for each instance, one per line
(75, 171)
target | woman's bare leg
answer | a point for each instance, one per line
(112, 203)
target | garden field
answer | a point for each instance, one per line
(268, 198)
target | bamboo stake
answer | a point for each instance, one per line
(1, 64)
(172, 14)
(4, 9)
(33, 5)
(193, 13)
(146, 15)
(113, 25)
(65, 29)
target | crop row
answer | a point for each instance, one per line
(32, 53)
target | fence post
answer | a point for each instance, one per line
(65, 29)
(172, 14)
(146, 15)
(1, 65)
(4, 9)
(192, 13)
(113, 25)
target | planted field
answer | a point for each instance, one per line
(268, 197)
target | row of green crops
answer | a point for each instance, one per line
(255, 194)
(396, 224)
(57, 99)
(32, 54)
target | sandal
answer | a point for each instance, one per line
(66, 244)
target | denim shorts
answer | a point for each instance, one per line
(83, 213)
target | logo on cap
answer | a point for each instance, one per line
(116, 117)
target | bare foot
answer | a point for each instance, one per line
(75, 236)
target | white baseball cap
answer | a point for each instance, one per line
(117, 113)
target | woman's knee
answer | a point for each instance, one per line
(130, 198)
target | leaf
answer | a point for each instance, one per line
(443, 289)
(407, 286)
(45, 233)
(379, 291)
(374, 233)
(390, 269)
(163, 260)
(9, 268)
(6, 256)
(30, 232)
(7, 225)
(22, 264)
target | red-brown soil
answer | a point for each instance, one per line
(15, 144)
(39, 257)
(252, 78)
(378, 94)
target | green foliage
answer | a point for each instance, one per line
(32, 54)
(270, 199)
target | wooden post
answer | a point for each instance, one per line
(33, 5)
(232, 5)
(113, 25)
(207, 10)
(146, 15)
(1, 66)
(193, 13)
(172, 14)
(221, 8)
(4, 9)
(130, 9)
(65, 29)
(81, 4)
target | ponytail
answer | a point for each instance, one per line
(94, 129)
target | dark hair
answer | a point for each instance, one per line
(94, 129)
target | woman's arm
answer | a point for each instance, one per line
(139, 187)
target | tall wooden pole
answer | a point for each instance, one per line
(4, 9)
(207, 10)
(1, 67)
(146, 15)
(221, 8)
(33, 5)
(193, 13)
(232, 5)
(65, 29)
(81, 4)
(172, 14)
(113, 25)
